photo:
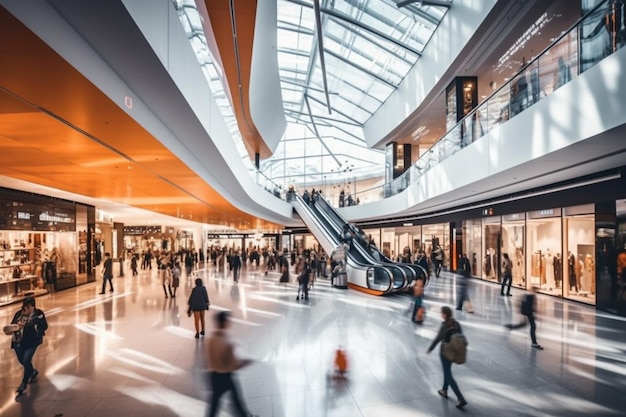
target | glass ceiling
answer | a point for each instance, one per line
(368, 48)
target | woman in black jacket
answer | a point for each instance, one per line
(447, 328)
(198, 304)
(27, 329)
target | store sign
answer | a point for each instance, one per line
(539, 214)
(141, 230)
(488, 211)
(229, 236)
(513, 217)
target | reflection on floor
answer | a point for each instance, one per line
(133, 353)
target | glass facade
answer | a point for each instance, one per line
(552, 249)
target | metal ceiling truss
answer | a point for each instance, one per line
(356, 23)
(320, 50)
(337, 111)
(362, 69)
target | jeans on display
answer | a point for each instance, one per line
(25, 358)
(448, 379)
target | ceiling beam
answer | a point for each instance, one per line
(352, 21)
(320, 50)
(438, 3)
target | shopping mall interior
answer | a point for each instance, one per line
(376, 141)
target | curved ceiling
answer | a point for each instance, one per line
(233, 25)
(57, 129)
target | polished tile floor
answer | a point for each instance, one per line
(133, 353)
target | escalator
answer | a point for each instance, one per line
(401, 276)
(371, 253)
(372, 279)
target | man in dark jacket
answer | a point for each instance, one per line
(29, 327)
(107, 273)
(235, 263)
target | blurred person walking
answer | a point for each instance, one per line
(222, 364)
(528, 311)
(465, 270)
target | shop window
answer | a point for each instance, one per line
(491, 248)
(579, 270)
(472, 239)
(543, 239)
(513, 233)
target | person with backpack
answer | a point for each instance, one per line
(451, 351)
(528, 310)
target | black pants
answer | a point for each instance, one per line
(533, 328)
(464, 294)
(221, 384)
(506, 278)
(104, 283)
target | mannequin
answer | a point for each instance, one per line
(550, 270)
(580, 267)
(557, 270)
(571, 271)
(590, 274)
(542, 269)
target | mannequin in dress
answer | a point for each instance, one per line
(590, 274)
(571, 271)
(550, 270)
(557, 270)
(580, 268)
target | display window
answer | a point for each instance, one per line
(579, 270)
(408, 240)
(513, 235)
(388, 240)
(543, 244)
(491, 248)
(472, 244)
(434, 235)
(374, 235)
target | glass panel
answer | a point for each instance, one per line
(595, 37)
(513, 245)
(580, 269)
(498, 108)
(472, 239)
(543, 237)
(558, 67)
(491, 248)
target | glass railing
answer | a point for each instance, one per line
(594, 37)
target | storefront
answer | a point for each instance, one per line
(43, 241)
(552, 249)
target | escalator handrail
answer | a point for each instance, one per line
(417, 269)
(329, 212)
(333, 240)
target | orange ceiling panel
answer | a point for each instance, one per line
(245, 18)
(57, 129)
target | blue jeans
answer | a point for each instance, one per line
(448, 379)
(25, 357)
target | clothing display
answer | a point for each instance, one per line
(557, 266)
